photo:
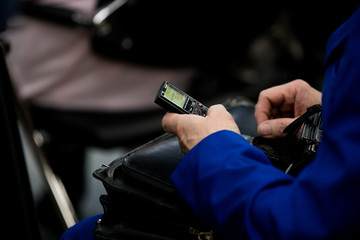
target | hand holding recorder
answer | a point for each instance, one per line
(198, 123)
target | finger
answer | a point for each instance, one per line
(216, 109)
(274, 128)
(221, 119)
(262, 111)
(268, 100)
(170, 121)
(280, 96)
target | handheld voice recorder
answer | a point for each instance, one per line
(175, 100)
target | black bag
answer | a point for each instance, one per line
(141, 202)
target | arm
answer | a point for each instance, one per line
(231, 187)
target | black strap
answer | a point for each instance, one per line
(294, 127)
(291, 131)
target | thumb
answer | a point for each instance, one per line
(274, 128)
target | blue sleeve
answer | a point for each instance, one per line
(232, 186)
(82, 230)
(225, 179)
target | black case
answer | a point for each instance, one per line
(141, 202)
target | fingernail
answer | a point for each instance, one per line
(265, 129)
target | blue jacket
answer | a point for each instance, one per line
(232, 186)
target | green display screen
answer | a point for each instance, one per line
(175, 97)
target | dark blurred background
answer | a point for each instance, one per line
(232, 48)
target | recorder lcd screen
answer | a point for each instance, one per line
(175, 97)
